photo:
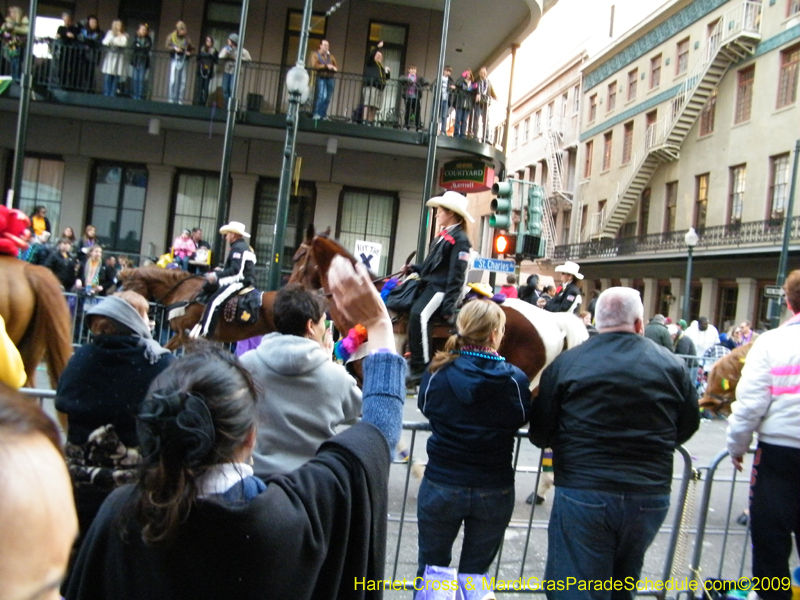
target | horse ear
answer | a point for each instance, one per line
(309, 233)
(327, 232)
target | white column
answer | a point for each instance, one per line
(605, 283)
(626, 282)
(158, 202)
(75, 193)
(708, 301)
(326, 211)
(243, 198)
(408, 221)
(650, 301)
(676, 285)
(746, 299)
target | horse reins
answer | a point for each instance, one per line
(175, 287)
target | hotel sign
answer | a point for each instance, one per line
(466, 176)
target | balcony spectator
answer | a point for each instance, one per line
(448, 91)
(66, 52)
(375, 76)
(91, 40)
(324, 64)
(15, 31)
(140, 61)
(115, 62)
(206, 61)
(64, 265)
(39, 221)
(465, 102)
(180, 48)
(183, 247)
(412, 90)
(484, 94)
(228, 54)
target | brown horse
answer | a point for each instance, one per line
(168, 286)
(722, 381)
(36, 315)
(533, 338)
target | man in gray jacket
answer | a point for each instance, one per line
(306, 394)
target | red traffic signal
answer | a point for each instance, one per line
(504, 243)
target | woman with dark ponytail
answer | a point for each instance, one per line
(200, 525)
(475, 402)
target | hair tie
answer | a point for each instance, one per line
(346, 347)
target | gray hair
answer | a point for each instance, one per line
(618, 306)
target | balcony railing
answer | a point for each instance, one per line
(78, 69)
(750, 234)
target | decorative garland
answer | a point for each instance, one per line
(346, 347)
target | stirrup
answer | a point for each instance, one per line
(196, 331)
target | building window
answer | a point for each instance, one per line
(587, 165)
(576, 99)
(701, 201)
(515, 138)
(633, 82)
(195, 204)
(222, 17)
(564, 105)
(300, 215)
(627, 143)
(655, 71)
(612, 97)
(794, 7)
(526, 126)
(744, 94)
(592, 107)
(291, 42)
(607, 151)
(370, 216)
(565, 224)
(117, 205)
(42, 181)
(787, 80)
(550, 113)
(736, 203)
(537, 123)
(779, 185)
(671, 206)
(644, 211)
(708, 113)
(728, 297)
(682, 57)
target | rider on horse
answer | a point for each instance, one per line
(237, 273)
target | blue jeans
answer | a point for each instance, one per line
(596, 535)
(462, 119)
(444, 111)
(139, 78)
(441, 509)
(110, 85)
(227, 85)
(16, 67)
(324, 93)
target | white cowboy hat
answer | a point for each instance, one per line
(452, 201)
(570, 268)
(234, 227)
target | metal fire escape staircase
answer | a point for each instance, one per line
(554, 136)
(734, 37)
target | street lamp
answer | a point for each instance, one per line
(691, 238)
(297, 87)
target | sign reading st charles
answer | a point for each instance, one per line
(466, 176)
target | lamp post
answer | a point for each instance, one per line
(297, 87)
(691, 238)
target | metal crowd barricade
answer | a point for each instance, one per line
(676, 529)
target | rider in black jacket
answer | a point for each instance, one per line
(565, 300)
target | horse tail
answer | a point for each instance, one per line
(51, 323)
(574, 329)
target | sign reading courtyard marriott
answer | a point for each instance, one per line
(466, 176)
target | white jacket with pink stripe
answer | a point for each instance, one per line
(768, 394)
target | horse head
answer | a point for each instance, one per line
(155, 283)
(313, 258)
(722, 381)
(131, 280)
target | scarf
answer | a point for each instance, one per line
(92, 272)
(122, 312)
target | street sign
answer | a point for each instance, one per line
(773, 291)
(368, 253)
(493, 264)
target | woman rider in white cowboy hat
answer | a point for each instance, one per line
(237, 273)
(441, 276)
(568, 299)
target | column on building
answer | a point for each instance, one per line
(650, 300)
(408, 220)
(676, 285)
(626, 282)
(75, 193)
(156, 209)
(243, 197)
(326, 210)
(605, 283)
(708, 299)
(746, 299)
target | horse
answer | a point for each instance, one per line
(37, 317)
(172, 286)
(533, 337)
(722, 381)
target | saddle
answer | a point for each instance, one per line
(244, 307)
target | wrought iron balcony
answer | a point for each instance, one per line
(753, 234)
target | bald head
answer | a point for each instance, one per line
(619, 309)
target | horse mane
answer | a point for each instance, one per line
(169, 276)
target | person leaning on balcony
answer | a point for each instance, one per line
(15, 31)
(375, 76)
(207, 58)
(115, 62)
(464, 102)
(142, 48)
(568, 299)
(484, 94)
(91, 40)
(67, 52)
(228, 58)
(180, 49)
(324, 64)
(768, 402)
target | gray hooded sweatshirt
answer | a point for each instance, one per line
(306, 395)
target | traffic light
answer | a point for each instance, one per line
(504, 243)
(535, 210)
(501, 205)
